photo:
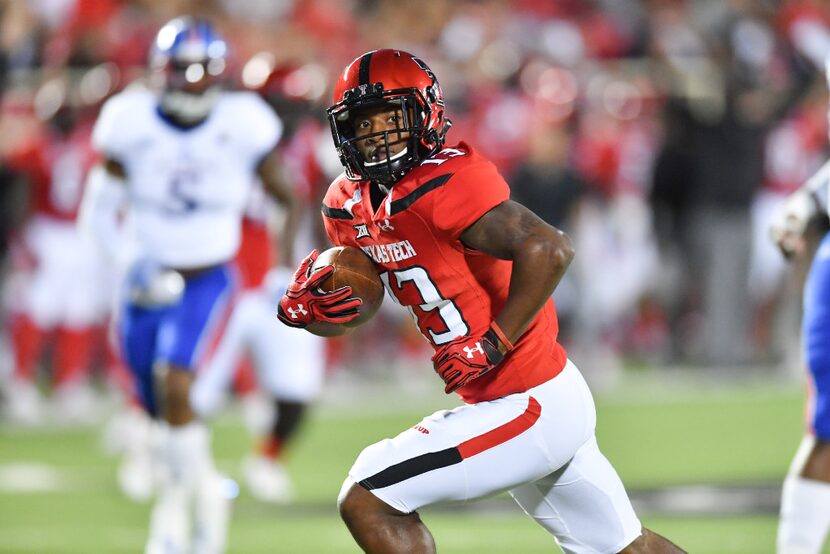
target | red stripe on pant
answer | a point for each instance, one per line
(502, 433)
(454, 455)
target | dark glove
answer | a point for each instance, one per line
(466, 358)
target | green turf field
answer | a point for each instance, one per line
(724, 434)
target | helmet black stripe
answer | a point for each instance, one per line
(363, 72)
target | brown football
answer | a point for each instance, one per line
(354, 268)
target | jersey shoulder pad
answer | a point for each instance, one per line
(450, 158)
(463, 163)
(120, 116)
(443, 173)
(469, 186)
(450, 163)
(340, 197)
(261, 126)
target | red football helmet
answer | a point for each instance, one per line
(402, 81)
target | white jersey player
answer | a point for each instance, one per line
(167, 204)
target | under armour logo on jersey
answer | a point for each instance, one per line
(362, 231)
(477, 348)
(386, 226)
(300, 310)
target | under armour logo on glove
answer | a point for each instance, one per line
(304, 303)
(471, 351)
(299, 311)
(466, 358)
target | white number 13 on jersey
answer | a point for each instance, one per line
(447, 310)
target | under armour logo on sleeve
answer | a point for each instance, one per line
(299, 311)
(469, 351)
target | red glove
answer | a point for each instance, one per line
(467, 358)
(304, 303)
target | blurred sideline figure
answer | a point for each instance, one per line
(805, 500)
(178, 168)
(476, 271)
(289, 367)
(58, 290)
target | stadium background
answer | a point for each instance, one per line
(659, 134)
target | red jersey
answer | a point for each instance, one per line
(256, 253)
(56, 168)
(414, 239)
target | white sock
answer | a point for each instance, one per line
(170, 522)
(805, 516)
(187, 453)
(191, 462)
(212, 514)
(186, 463)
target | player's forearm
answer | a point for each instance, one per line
(792, 218)
(540, 255)
(98, 219)
(288, 233)
(277, 184)
(538, 266)
(817, 187)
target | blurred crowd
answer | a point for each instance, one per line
(660, 134)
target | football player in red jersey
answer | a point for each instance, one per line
(477, 272)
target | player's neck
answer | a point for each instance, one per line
(377, 193)
(178, 123)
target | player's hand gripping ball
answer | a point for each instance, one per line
(336, 289)
(305, 303)
(354, 269)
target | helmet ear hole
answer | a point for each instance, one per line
(430, 93)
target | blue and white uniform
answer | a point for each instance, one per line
(815, 325)
(805, 497)
(816, 333)
(187, 190)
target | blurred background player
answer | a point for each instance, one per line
(287, 366)
(179, 165)
(805, 501)
(57, 293)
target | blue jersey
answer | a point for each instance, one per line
(816, 332)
